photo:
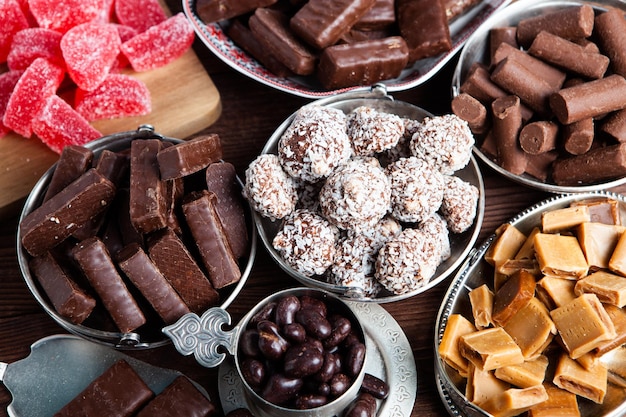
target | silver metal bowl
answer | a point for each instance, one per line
(148, 336)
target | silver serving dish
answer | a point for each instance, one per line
(149, 336)
(460, 244)
(475, 272)
(476, 49)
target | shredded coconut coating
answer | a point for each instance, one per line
(268, 188)
(444, 141)
(357, 195)
(402, 148)
(354, 265)
(315, 143)
(460, 200)
(416, 189)
(436, 228)
(308, 195)
(306, 242)
(372, 131)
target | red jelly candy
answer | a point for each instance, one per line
(32, 43)
(125, 32)
(13, 20)
(119, 95)
(159, 45)
(57, 124)
(139, 14)
(38, 82)
(90, 50)
(7, 84)
(62, 15)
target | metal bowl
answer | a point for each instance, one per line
(460, 244)
(476, 49)
(150, 334)
(475, 272)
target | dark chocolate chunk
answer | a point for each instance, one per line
(72, 163)
(113, 165)
(147, 203)
(188, 157)
(180, 398)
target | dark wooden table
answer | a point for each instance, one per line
(251, 112)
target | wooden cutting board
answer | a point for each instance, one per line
(184, 101)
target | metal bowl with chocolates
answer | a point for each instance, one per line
(542, 85)
(132, 231)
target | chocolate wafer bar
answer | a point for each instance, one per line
(73, 162)
(381, 16)
(188, 157)
(180, 398)
(424, 26)
(147, 204)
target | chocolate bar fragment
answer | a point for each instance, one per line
(610, 29)
(380, 17)
(362, 63)
(68, 299)
(147, 203)
(96, 264)
(571, 23)
(322, 22)
(177, 265)
(424, 26)
(188, 157)
(208, 232)
(598, 164)
(151, 283)
(117, 392)
(215, 10)
(56, 219)
(73, 162)
(180, 398)
(507, 123)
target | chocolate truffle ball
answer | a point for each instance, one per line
(372, 131)
(460, 199)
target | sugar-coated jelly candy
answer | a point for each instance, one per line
(119, 95)
(7, 84)
(32, 43)
(62, 15)
(139, 14)
(13, 20)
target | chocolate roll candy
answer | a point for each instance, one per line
(615, 125)
(68, 299)
(73, 162)
(180, 398)
(144, 274)
(571, 23)
(177, 265)
(271, 29)
(589, 99)
(539, 137)
(208, 233)
(215, 10)
(56, 219)
(380, 17)
(599, 164)
(362, 63)
(147, 203)
(221, 179)
(507, 123)
(501, 35)
(578, 136)
(95, 262)
(540, 165)
(610, 29)
(117, 392)
(188, 157)
(424, 26)
(478, 84)
(472, 111)
(320, 23)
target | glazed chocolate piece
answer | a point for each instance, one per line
(147, 203)
(271, 29)
(322, 22)
(507, 123)
(598, 164)
(117, 392)
(362, 63)
(68, 299)
(571, 23)
(180, 398)
(151, 283)
(208, 233)
(72, 163)
(424, 26)
(188, 157)
(215, 10)
(381, 16)
(610, 28)
(95, 262)
(221, 179)
(177, 265)
(113, 165)
(56, 219)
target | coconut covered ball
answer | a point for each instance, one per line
(372, 131)
(315, 143)
(444, 141)
(436, 228)
(268, 188)
(357, 195)
(306, 242)
(416, 189)
(459, 205)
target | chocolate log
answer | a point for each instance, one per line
(615, 125)
(95, 262)
(610, 29)
(538, 137)
(507, 123)
(501, 35)
(147, 204)
(539, 166)
(424, 26)
(188, 157)
(571, 23)
(596, 165)
(472, 111)
(216, 10)
(578, 136)
(117, 392)
(73, 162)
(180, 398)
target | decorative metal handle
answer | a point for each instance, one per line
(203, 336)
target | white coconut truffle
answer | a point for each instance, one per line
(372, 131)
(437, 229)
(460, 201)
(354, 265)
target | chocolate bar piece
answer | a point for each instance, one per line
(574, 22)
(117, 392)
(221, 179)
(180, 398)
(68, 299)
(610, 28)
(381, 16)
(151, 283)
(147, 204)
(72, 163)
(215, 10)
(208, 233)
(322, 22)
(598, 164)
(96, 264)
(362, 63)
(424, 26)
(56, 219)
(188, 157)
(177, 265)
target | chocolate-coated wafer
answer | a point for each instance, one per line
(570, 23)
(215, 10)
(147, 203)
(381, 16)
(610, 29)
(507, 123)
(73, 162)
(424, 26)
(599, 164)
(539, 137)
(180, 398)
(188, 157)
